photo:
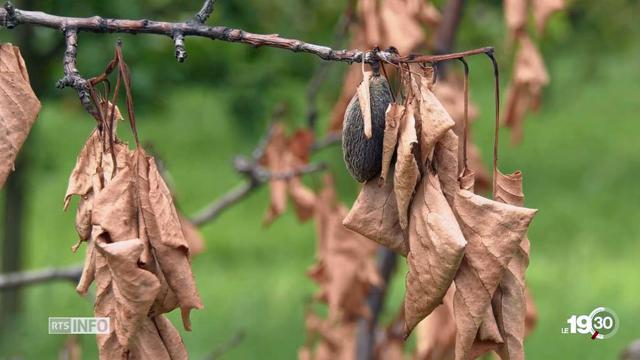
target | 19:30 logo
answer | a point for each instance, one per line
(602, 323)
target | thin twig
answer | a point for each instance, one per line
(223, 348)
(22, 278)
(204, 13)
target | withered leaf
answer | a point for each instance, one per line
(133, 289)
(436, 248)
(446, 158)
(436, 121)
(303, 199)
(165, 234)
(82, 175)
(493, 231)
(368, 11)
(525, 91)
(375, 215)
(543, 9)
(407, 173)
(401, 25)
(275, 161)
(436, 335)
(88, 270)
(19, 107)
(192, 235)
(515, 13)
(509, 301)
(391, 125)
(348, 267)
(364, 99)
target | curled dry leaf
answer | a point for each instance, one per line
(375, 215)
(19, 107)
(493, 231)
(407, 173)
(509, 301)
(515, 13)
(436, 248)
(401, 26)
(525, 91)
(531, 315)
(435, 120)
(364, 100)
(543, 9)
(165, 233)
(436, 335)
(275, 160)
(192, 235)
(390, 140)
(446, 158)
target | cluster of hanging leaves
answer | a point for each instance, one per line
(137, 252)
(529, 71)
(345, 271)
(19, 107)
(424, 207)
(384, 23)
(345, 267)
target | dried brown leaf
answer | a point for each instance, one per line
(515, 13)
(192, 235)
(364, 99)
(401, 25)
(165, 234)
(275, 161)
(543, 9)
(436, 248)
(392, 123)
(446, 159)
(509, 301)
(407, 173)
(304, 200)
(525, 91)
(435, 121)
(493, 231)
(19, 107)
(436, 335)
(375, 215)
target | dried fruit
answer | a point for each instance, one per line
(363, 156)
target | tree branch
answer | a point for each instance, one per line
(18, 279)
(204, 13)
(11, 17)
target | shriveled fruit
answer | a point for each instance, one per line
(363, 156)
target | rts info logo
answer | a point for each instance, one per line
(602, 323)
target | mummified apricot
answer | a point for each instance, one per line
(363, 156)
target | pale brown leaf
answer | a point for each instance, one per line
(401, 25)
(493, 231)
(303, 199)
(515, 13)
(364, 99)
(436, 248)
(509, 301)
(19, 107)
(375, 215)
(275, 161)
(392, 121)
(407, 173)
(436, 335)
(192, 235)
(543, 9)
(525, 91)
(165, 234)
(446, 159)
(435, 121)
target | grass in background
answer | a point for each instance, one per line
(579, 159)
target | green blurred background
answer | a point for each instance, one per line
(579, 158)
